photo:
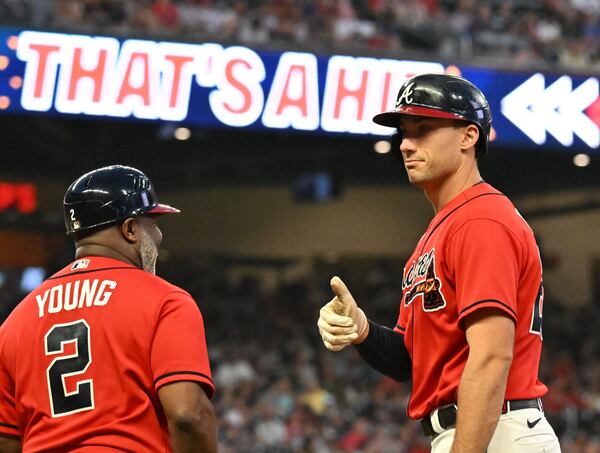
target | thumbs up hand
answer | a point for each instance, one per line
(341, 322)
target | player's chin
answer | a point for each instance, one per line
(414, 177)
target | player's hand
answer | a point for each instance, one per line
(341, 322)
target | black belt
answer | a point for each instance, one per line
(447, 415)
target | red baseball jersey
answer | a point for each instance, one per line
(83, 356)
(477, 252)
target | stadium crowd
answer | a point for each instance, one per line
(280, 391)
(524, 32)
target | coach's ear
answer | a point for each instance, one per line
(130, 229)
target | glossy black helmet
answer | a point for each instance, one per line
(442, 96)
(108, 195)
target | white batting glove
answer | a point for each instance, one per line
(341, 322)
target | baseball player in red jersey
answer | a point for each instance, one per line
(469, 332)
(104, 355)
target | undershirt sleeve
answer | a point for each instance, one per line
(485, 256)
(385, 351)
(179, 351)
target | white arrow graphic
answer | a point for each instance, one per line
(515, 107)
(572, 109)
(545, 108)
(558, 110)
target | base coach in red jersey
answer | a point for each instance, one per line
(469, 330)
(104, 355)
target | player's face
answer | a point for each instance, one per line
(430, 149)
(150, 240)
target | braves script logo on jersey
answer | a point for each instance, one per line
(422, 281)
(406, 95)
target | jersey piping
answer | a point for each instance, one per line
(8, 425)
(496, 301)
(451, 212)
(173, 373)
(54, 277)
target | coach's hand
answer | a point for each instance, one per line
(341, 322)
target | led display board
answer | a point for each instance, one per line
(19, 197)
(211, 85)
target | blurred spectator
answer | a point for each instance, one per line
(143, 19)
(270, 429)
(513, 32)
(166, 13)
(316, 397)
(234, 372)
(356, 438)
(68, 13)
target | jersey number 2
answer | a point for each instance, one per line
(82, 399)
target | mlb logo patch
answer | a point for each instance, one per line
(80, 264)
(76, 225)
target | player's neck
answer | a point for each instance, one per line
(439, 195)
(102, 250)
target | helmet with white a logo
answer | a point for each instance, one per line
(442, 96)
(108, 195)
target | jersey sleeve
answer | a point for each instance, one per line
(179, 351)
(485, 257)
(8, 411)
(400, 326)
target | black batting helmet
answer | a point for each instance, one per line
(108, 195)
(442, 96)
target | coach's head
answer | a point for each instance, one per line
(112, 212)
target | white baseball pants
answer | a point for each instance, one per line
(512, 435)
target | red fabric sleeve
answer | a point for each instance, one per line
(179, 350)
(400, 324)
(402, 321)
(485, 257)
(8, 412)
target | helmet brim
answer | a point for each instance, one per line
(162, 209)
(392, 118)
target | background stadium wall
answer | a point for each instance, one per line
(265, 221)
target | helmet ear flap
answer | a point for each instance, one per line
(395, 142)
(482, 144)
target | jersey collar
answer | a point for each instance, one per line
(92, 263)
(476, 190)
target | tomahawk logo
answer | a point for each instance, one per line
(557, 109)
(406, 95)
(428, 286)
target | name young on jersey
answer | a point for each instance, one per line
(422, 281)
(77, 294)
